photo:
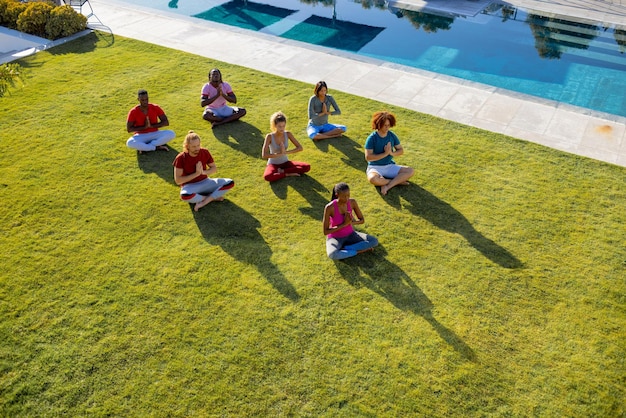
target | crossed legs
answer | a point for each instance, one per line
(353, 244)
(330, 134)
(150, 141)
(206, 191)
(386, 184)
(216, 120)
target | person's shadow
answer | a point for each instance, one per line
(235, 230)
(241, 136)
(159, 163)
(353, 151)
(442, 215)
(381, 276)
(309, 188)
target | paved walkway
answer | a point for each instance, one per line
(563, 127)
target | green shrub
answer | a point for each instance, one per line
(64, 21)
(41, 18)
(13, 10)
(34, 18)
(9, 73)
(3, 10)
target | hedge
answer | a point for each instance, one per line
(41, 18)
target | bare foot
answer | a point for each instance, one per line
(162, 148)
(202, 203)
(404, 183)
(384, 189)
(292, 175)
(364, 251)
(219, 199)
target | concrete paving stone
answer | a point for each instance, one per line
(499, 108)
(436, 93)
(596, 154)
(455, 116)
(308, 68)
(401, 91)
(533, 117)
(487, 125)
(424, 108)
(528, 135)
(467, 100)
(375, 81)
(349, 71)
(565, 145)
(604, 135)
(568, 126)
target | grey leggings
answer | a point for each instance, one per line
(339, 248)
(195, 192)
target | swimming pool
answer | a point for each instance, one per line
(577, 62)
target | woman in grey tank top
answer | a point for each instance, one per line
(276, 150)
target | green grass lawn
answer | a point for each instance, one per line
(498, 289)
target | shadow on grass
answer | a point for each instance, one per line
(353, 151)
(86, 43)
(241, 136)
(158, 162)
(381, 276)
(235, 230)
(309, 188)
(104, 33)
(443, 215)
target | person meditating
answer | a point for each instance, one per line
(192, 169)
(276, 150)
(216, 94)
(380, 148)
(321, 105)
(144, 120)
(342, 241)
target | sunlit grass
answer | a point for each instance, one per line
(498, 288)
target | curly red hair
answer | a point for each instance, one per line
(379, 119)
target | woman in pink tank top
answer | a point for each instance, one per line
(342, 241)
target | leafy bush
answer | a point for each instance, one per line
(64, 21)
(41, 18)
(34, 18)
(12, 12)
(4, 17)
(8, 74)
(3, 9)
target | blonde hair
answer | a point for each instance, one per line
(277, 117)
(191, 136)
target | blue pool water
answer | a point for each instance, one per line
(574, 62)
